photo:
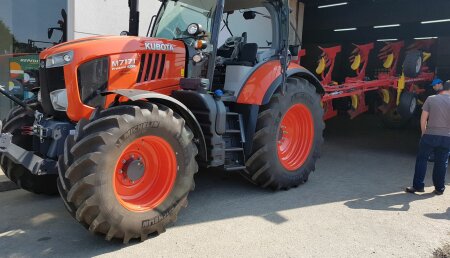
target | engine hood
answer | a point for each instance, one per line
(111, 63)
(94, 47)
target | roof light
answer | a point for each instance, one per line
(435, 21)
(332, 5)
(384, 40)
(346, 29)
(386, 26)
(425, 38)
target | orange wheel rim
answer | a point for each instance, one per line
(145, 173)
(295, 137)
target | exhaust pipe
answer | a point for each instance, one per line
(133, 29)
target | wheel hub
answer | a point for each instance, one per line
(135, 170)
(145, 173)
(295, 137)
(413, 106)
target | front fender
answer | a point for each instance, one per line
(175, 105)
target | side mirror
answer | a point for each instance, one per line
(50, 33)
(64, 14)
(249, 15)
(124, 33)
(294, 49)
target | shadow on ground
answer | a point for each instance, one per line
(364, 166)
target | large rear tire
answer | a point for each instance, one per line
(127, 172)
(288, 138)
(17, 118)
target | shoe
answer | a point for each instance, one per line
(437, 192)
(414, 190)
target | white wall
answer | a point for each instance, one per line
(108, 17)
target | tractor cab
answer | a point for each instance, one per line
(226, 40)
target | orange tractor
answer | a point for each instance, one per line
(122, 123)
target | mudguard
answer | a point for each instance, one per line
(175, 105)
(294, 72)
(265, 79)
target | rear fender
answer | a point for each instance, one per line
(298, 73)
(175, 105)
(266, 79)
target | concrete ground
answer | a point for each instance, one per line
(352, 206)
(5, 183)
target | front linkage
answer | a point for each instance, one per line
(48, 137)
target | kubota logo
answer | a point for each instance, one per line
(120, 64)
(159, 46)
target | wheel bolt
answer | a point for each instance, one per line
(124, 161)
(121, 171)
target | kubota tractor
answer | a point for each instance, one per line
(122, 123)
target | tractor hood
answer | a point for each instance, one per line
(87, 67)
(94, 47)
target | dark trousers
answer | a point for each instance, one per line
(440, 145)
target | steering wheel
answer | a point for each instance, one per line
(232, 42)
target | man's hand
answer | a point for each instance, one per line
(424, 121)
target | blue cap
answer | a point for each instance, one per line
(218, 93)
(436, 82)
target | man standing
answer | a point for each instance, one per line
(435, 126)
(437, 85)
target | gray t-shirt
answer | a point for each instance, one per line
(439, 120)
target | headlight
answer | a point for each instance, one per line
(194, 29)
(60, 59)
(59, 100)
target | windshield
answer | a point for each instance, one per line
(177, 15)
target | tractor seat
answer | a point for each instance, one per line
(246, 57)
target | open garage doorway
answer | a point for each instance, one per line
(363, 51)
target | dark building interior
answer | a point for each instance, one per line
(346, 22)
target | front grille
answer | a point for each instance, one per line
(51, 79)
(93, 80)
(152, 67)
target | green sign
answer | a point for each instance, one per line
(18, 65)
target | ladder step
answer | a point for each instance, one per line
(232, 131)
(234, 149)
(232, 114)
(234, 167)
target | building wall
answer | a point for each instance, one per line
(107, 17)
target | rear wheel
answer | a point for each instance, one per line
(20, 175)
(127, 172)
(288, 137)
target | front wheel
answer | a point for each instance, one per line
(288, 138)
(127, 172)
